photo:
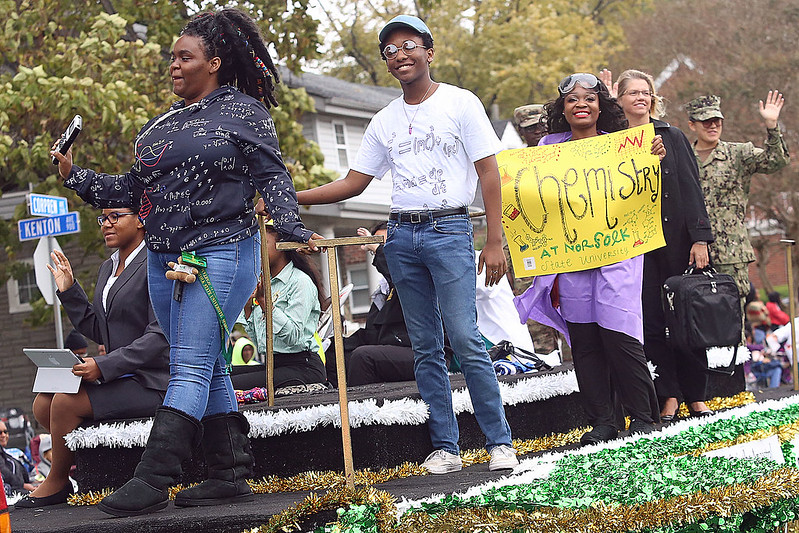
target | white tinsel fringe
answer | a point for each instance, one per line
(405, 411)
(652, 369)
(114, 435)
(720, 356)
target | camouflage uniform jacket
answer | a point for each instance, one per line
(725, 177)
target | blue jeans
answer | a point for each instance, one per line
(770, 372)
(432, 266)
(198, 384)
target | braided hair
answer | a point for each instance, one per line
(611, 117)
(233, 36)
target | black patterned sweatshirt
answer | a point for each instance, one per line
(195, 174)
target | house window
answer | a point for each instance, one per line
(21, 292)
(361, 296)
(341, 145)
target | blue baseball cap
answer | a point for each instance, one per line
(406, 21)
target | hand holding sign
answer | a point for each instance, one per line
(582, 204)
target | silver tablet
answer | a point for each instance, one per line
(54, 372)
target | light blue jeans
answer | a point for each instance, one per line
(198, 384)
(432, 266)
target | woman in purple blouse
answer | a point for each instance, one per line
(602, 306)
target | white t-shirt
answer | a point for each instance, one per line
(432, 167)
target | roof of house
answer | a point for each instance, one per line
(339, 92)
(499, 126)
(9, 202)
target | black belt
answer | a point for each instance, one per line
(416, 217)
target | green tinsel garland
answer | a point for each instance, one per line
(644, 471)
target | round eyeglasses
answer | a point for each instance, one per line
(391, 51)
(112, 217)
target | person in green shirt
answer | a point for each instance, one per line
(297, 297)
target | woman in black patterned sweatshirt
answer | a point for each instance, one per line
(196, 170)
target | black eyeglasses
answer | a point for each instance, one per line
(408, 47)
(588, 81)
(112, 217)
(3, 432)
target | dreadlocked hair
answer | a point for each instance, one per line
(234, 37)
(611, 116)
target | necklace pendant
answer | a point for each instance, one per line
(410, 129)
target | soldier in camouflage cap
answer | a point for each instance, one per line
(725, 172)
(704, 108)
(530, 122)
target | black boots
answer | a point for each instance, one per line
(229, 459)
(171, 441)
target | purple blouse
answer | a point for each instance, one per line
(609, 296)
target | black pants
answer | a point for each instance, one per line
(680, 374)
(290, 369)
(611, 370)
(380, 363)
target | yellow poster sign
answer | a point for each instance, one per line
(581, 204)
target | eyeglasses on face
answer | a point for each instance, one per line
(112, 217)
(3, 432)
(636, 94)
(408, 47)
(587, 81)
(711, 122)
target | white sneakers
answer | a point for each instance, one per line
(503, 457)
(442, 462)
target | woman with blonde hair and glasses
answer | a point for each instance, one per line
(686, 228)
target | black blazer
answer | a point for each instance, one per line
(683, 211)
(386, 325)
(134, 342)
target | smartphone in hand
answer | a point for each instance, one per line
(69, 136)
(82, 360)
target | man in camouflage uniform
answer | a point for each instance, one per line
(530, 122)
(725, 172)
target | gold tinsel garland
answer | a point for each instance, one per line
(289, 519)
(720, 501)
(332, 481)
(784, 433)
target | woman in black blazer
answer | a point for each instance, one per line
(129, 381)
(686, 229)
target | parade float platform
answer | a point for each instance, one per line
(388, 420)
(388, 429)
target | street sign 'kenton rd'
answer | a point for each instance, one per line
(33, 228)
